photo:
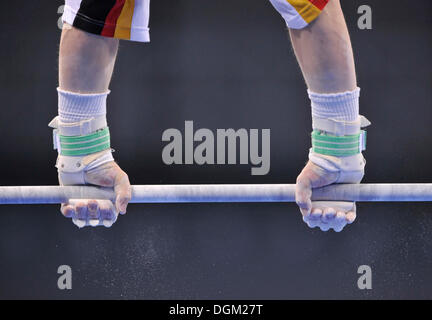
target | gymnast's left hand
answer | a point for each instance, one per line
(92, 212)
(329, 170)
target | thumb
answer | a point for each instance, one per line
(303, 194)
(122, 189)
(312, 176)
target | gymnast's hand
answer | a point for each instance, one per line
(328, 214)
(91, 212)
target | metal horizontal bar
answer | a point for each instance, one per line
(219, 193)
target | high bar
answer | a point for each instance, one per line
(189, 193)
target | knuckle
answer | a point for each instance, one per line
(302, 205)
(123, 176)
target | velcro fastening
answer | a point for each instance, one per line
(82, 145)
(338, 146)
(339, 127)
(79, 128)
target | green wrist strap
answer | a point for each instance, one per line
(338, 146)
(83, 145)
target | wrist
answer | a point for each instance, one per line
(81, 135)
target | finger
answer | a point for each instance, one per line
(303, 193)
(67, 210)
(339, 221)
(328, 215)
(81, 210)
(350, 217)
(338, 228)
(305, 212)
(316, 214)
(81, 214)
(107, 213)
(123, 192)
(340, 218)
(93, 212)
(312, 223)
(324, 227)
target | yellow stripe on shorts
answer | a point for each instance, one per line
(305, 9)
(124, 22)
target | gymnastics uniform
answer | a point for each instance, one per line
(129, 19)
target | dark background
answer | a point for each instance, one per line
(222, 64)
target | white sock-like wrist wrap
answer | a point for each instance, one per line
(338, 106)
(337, 113)
(75, 107)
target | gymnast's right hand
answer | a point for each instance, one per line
(98, 172)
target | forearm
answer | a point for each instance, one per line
(323, 50)
(86, 61)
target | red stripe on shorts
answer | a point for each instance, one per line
(111, 19)
(320, 4)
